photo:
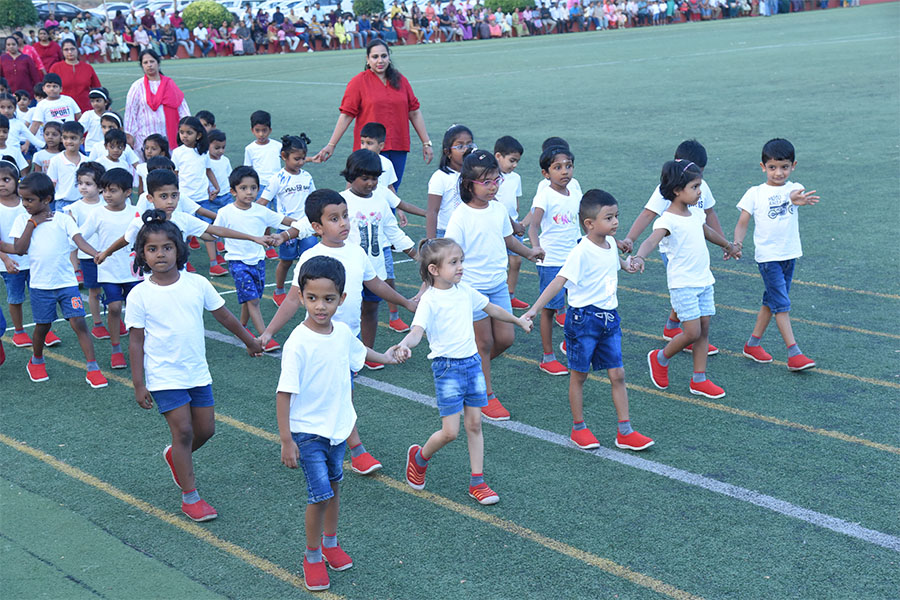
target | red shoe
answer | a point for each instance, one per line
(484, 494)
(516, 303)
(337, 559)
(194, 243)
(800, 362)
(271, 253)
(562, 347)
(117, 360)
(36, 373)
(220, 246)
(167, 455)
(554, 367)
(668, 334)
(561, 319)
(122, 329)
(2, 354)
(51, 339)
(710, 352)
(495, 411)
(199, 511)
(706, 388)
(79, 276)
(659, 374)
(415, 475)
(278, 298)
(220, 260)
(364, 464)
(584, 439)
(633, 441)
(315, 575)
(373, 366)
(218, 271)
(757, 353)
(190, 268)
(96, 379)
(398, 325)
(21, 340)
(272, 346)
(100, 332)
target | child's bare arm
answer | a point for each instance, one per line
(237, 235)
(731, 250)
(740, 230)
(412, 338)
(215, 184)
(84, 246)
(712, 220)
(536, 215)
(532, 254)
(228, 320)
(205, 212)
(549, 292)
(114, 247)
(647, 247)
(290, 454)
(136, 354)
(411, 209)
(496, 312)
(637, 228)
(388, 358)
(431, 215)
(285, 313)
(378, 287)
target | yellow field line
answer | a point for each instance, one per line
(174, 520)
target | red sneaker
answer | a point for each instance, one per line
(800, 362)
(2, 354)
(167, 455)
(272, 346)
(706, 388)
(315, 575)
(659, 374)
(398, 325)
(271, 253)
(757, 353)
(415, 475)
(190, 268)
(633, 441)
(561, 319)
(220, 260)
(51, 339)
(96, 379)
(79, 276)
(278, 298)
(516, 303)
(668, 334)
(218, 271)
(710, 352)
(21, 340)
(495, 411)
(364, 464)
(562, 347)
(220, 246)
(373, 366)
(554, 367)
(117, 361)
(36, 373)
(199, 511)
(337, 559)
(100, 332)
(484, 494)
(122, 329)
(584, 439)
(194, 243)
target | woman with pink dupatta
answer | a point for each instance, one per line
(154, 104)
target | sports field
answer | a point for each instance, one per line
(785, 488)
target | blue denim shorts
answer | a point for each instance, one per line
(60, 205)
(292, 249)
(117, 292)
(388, 262)
(439, 233)
(521, 239)
(593, 339)
(693, 302)
(322, 464)
(197, 397)
(458, 382)
(545, 276)
(777, 276)
(249, 280)
(499, 296)
(89, 270)
(43, 304)
(15, 285)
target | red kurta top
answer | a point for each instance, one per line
(366, 99)
(50, 54)
(77, 81)
(20, 72)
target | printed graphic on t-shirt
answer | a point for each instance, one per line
(367, 223)
(565, 218)
(779, 206)
(60, 113)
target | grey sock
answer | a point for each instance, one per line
(313, 555)
(548, 358)
(329, 541)
(698, 377)
(191, 497)
(793, 350)
(625, 427)
(476, 479)
(420, 460)
(37, 361)
(357, 450)
(393, 316)
(116, 348)
(753, 342)
(579, 425)
(662, 359)
(670, 324)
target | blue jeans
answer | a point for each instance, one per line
(458, 382)
(322, 465)
(593, 339)
(398, 159)
(777, 276)
(498, 295)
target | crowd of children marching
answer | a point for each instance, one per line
(71, 220)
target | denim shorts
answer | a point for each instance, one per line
(197, 397)
(499, 296)
(43, 304)
(693, 302)
(458, 382)
(61, 204)
(89, 271)
(777, 276)
(15, 286)
(521, 239)
(545, 276)
(117, 292)
(322, 464)
(388, 262)
(249, 280)
(292, 249)
(439, 233)
(593, 339)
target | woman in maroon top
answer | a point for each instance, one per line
(48, 49)
(380, 93)
(77, 76)
(19, 70)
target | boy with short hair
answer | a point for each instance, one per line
(115, 141)
(593, 333)
(776, 237)
(56, 106)
(208, 120)
(63, 166)
(315, 411)
(264, 156)
(508, 152)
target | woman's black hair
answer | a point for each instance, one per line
(161, 141)
(155, 222)
(475, 165)
(151, 52)
(38, 184)
(449, 136)
(392, 74)
(676, 174)
(362, 162)
(202, 137)
(68, 41)
(8, 164)
(294, 143)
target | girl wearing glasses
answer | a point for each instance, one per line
(443, 187)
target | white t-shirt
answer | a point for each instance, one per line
(373, 226)
(592, 274)
(572, 186)
(481, 232)
(290, 191)
(445, 185)
(42, 158)
(62, 109)
(266, 159)
(140, 172)
(446, 316)
(172, 319)
(106, 226)
(776, 221)
(388, 174)
(315, 371)
(357, 269)
(509, 192)
(93, 131)
(559, 225)
(62, 172)
(80, 211)
(687, 253)
(253, 221)
(188, 224)
(191, 166)
(122, 163)
(129, 155)
(16, 153)
(221, 168)
(19, 134)
(51, 243)
(8, 216)
(658, 205)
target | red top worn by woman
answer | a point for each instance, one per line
(367, 99)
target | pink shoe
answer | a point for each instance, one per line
(554, 367)
(315, 575)
(199, 511)
(167, 455)
(337, 559)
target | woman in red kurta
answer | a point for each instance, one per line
(77, 76)
(380, 93)
(48, 49)
(18, 69)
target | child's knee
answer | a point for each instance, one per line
(473, 425)
(616, 376)
(691, 330)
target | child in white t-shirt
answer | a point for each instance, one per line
(776, 237)
(56, 106)
(443, 187)
(221, 168)
(315, 410)
(90, 120)
(63, 166)
(52, 135)
(115, 143)
(482, 228)
(508, 152)
(9, 150)
(45, 236)
(108, 121)
(165, 322)
(155, 144)
(443, 314)
(263, 154)
(18, 130)
(593, 332)
(688, 276)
